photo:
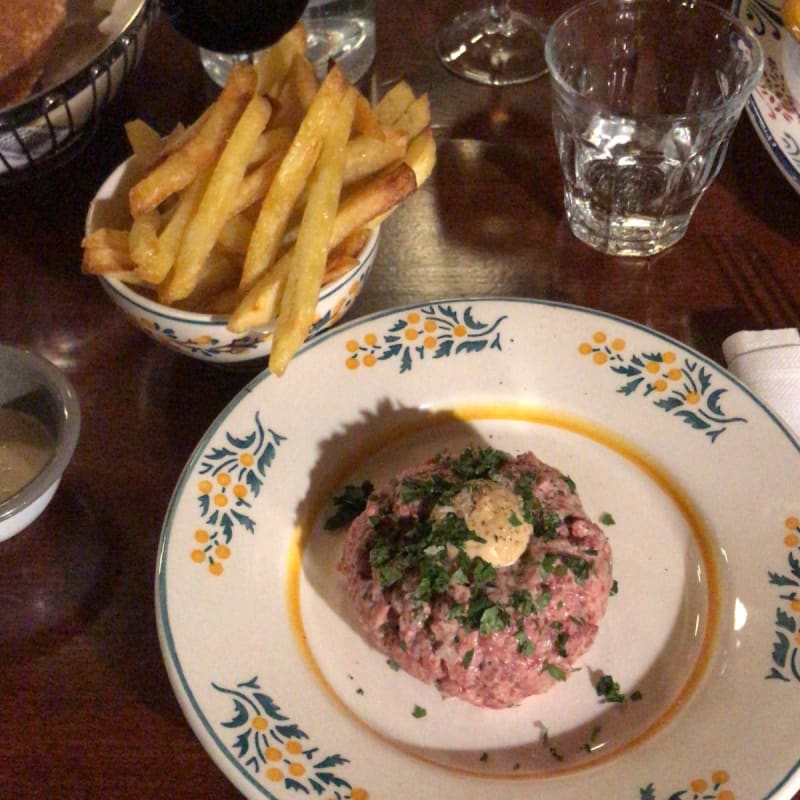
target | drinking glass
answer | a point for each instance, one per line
(227, 31)
(494, 45)
(646, 94)
(342, 30)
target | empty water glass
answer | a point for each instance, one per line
(646, 94)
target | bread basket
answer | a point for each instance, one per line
(48, 127)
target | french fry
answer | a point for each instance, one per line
(273, 66)
(224, 302)
(371, 200)
(143, 240)
(256, 183)
(367, 203)
(337, 266)
(352, 244)
(421, 155)
(344, 257)
(394, 103)
(365, 120)
(298, 92)
(366, 155)
(219, 274)
(415, 118)
(235, 235)
(299, 300)
(106, 251)
(291, 177)
(156, 267)
(145, 142)
(271, 141)
(203, 229)
(182, 166)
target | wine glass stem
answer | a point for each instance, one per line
(500, 12)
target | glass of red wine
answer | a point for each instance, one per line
(227, 31)
(494, 45)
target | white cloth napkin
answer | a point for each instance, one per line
(769, 363)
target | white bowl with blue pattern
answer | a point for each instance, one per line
(206, 336)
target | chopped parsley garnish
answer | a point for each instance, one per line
(592, 738)
(556, 755)
(608, 689)
(635, 695)
(393, 664)
(579, 567)
(614, 589)
(606, 519)
(543, 600)
(545, 523)
(482, 571)
(484, 757)
(570, 483)
(524, 490)
(554, 671)
(561, 643)
(548, 562)
(493, 620)
(522, 602)
(418, 712)
(349, 504)
(431, 488)
(389, 575)
(476, 464)
(525, 646)
(467, 660)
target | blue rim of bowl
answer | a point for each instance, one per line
(131, 295)
(69, 421)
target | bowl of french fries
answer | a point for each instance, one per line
(240, 236)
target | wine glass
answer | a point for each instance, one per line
(227, 31)
(494, 45)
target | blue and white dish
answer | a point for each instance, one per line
(694, 479)
(772, 108)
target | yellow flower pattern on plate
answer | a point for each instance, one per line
(681, 387)
(278, 752)
(698, 789)
(231, 476)
(786, 647)
(435, 331)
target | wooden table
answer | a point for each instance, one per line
(87, 709)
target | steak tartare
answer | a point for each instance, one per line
(479, 573)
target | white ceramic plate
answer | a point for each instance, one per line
(771, 108)
(702, 483)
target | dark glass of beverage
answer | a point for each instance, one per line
(227, 31)
(233, 26)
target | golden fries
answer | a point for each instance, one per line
(181, 168)
(218, 199)
(291, 178)
(299, 301)
(271, 193)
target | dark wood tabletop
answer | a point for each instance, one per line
(87, 709)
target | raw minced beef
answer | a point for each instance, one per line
(427, 598)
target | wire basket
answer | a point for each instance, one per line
(50, 127)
